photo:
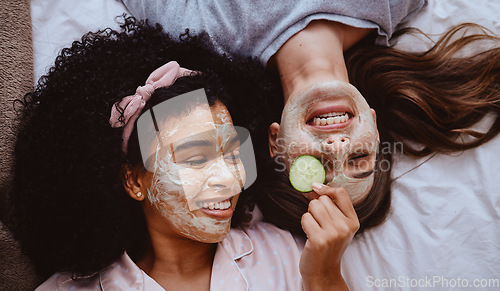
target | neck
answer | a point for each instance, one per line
(176, 256)
(315, 54)
(176, 262)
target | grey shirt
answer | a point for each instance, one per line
(259, 28)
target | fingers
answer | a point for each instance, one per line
(330, 206)
(325, 212)
(339, 196)
(326, 226)
(330, 225)
(309, 224)
(333, 210)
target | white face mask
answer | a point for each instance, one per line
(206, 166)
(193, 181)
(333, 122)
(197, 166)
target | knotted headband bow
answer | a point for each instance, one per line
(131, 106)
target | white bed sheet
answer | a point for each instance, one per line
(443, 232)
(443, 227)
(444, 224)
(57, 23)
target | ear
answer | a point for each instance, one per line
(131, 180)
(273, 133)
(374, 114)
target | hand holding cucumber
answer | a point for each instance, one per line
(330, 225)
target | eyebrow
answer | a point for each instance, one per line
(363, 174)
(233, 141)
(193, 143)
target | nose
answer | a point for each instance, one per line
(337, 144)
(221, 176)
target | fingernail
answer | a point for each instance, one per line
(317, 186)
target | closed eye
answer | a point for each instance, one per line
(359, 157)
(363, 175)
(196, 161)
(361, 165)
(358, 161)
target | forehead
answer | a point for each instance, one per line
(201, 118)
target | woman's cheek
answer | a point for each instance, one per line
(166, 191)
(193, 182)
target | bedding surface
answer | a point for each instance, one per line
(443, 231)
(57, 23)
(444, 224)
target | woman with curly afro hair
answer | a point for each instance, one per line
(127, 181)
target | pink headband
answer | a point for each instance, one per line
(132, 105)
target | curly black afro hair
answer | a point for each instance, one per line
(69, 209)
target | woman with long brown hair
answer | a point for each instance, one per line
(425, 103)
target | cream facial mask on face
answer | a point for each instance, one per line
(198, 159)
(172, 205)
(210, 166)
(333, 122)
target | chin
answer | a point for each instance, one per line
(215, 237)
(208, 234)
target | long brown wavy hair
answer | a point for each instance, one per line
(425, 103)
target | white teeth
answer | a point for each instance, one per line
(331, 118)
(215, 205)
(332, 114)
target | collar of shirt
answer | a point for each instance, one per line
(125, 274)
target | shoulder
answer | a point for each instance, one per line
(268, 257)
(64, 281)
(266, 237)
(260, 233)
(262, 239)
(123, 274)
(263, 229)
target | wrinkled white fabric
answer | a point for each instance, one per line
(443, 228)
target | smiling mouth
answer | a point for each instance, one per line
(215, 205)
(329, 118)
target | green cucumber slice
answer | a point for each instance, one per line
(304, 171)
